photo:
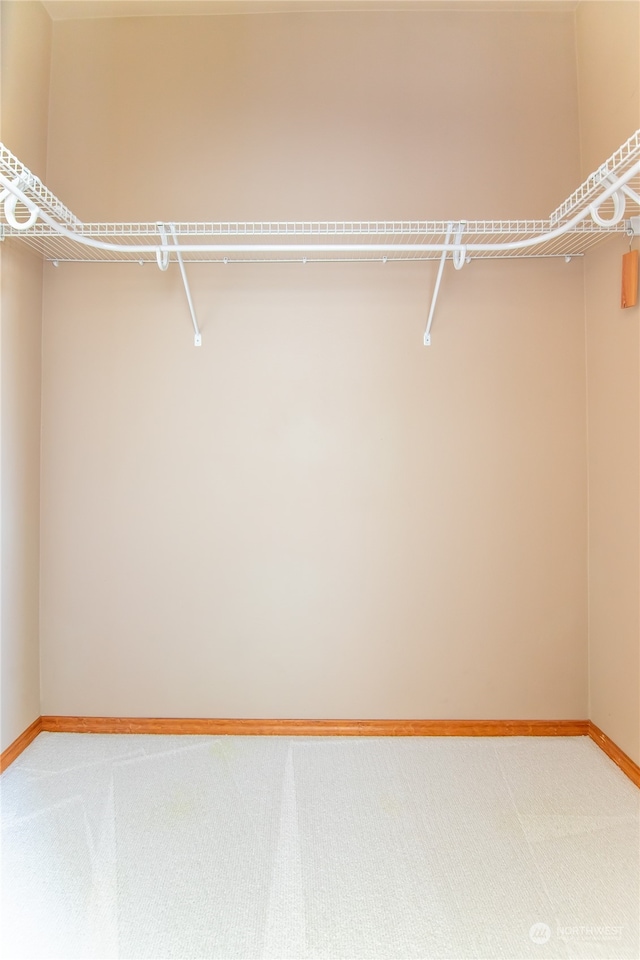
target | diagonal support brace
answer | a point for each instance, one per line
(197, 336)
(436, 289)
(459, 255)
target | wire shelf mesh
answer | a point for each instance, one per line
(617, 164)
(311, 242)
(34, 188)
(63, 237)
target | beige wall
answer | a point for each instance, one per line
(26, 44)
(609, 86)
(314, 515)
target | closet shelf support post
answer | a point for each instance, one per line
(436, 289)
(197, 336)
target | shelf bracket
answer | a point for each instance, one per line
(632, 227)
(459, 256)
(197, 336)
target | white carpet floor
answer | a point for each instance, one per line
(268, 847)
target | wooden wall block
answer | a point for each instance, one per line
(629, 279)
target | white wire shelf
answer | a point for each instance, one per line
(21, 176)
(311, 242)
(617, 164)
(31, 214)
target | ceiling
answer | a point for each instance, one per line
(94, 9)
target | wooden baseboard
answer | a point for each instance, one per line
(325, 728)
(319, 728)
(15, 749)
(613, 751)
